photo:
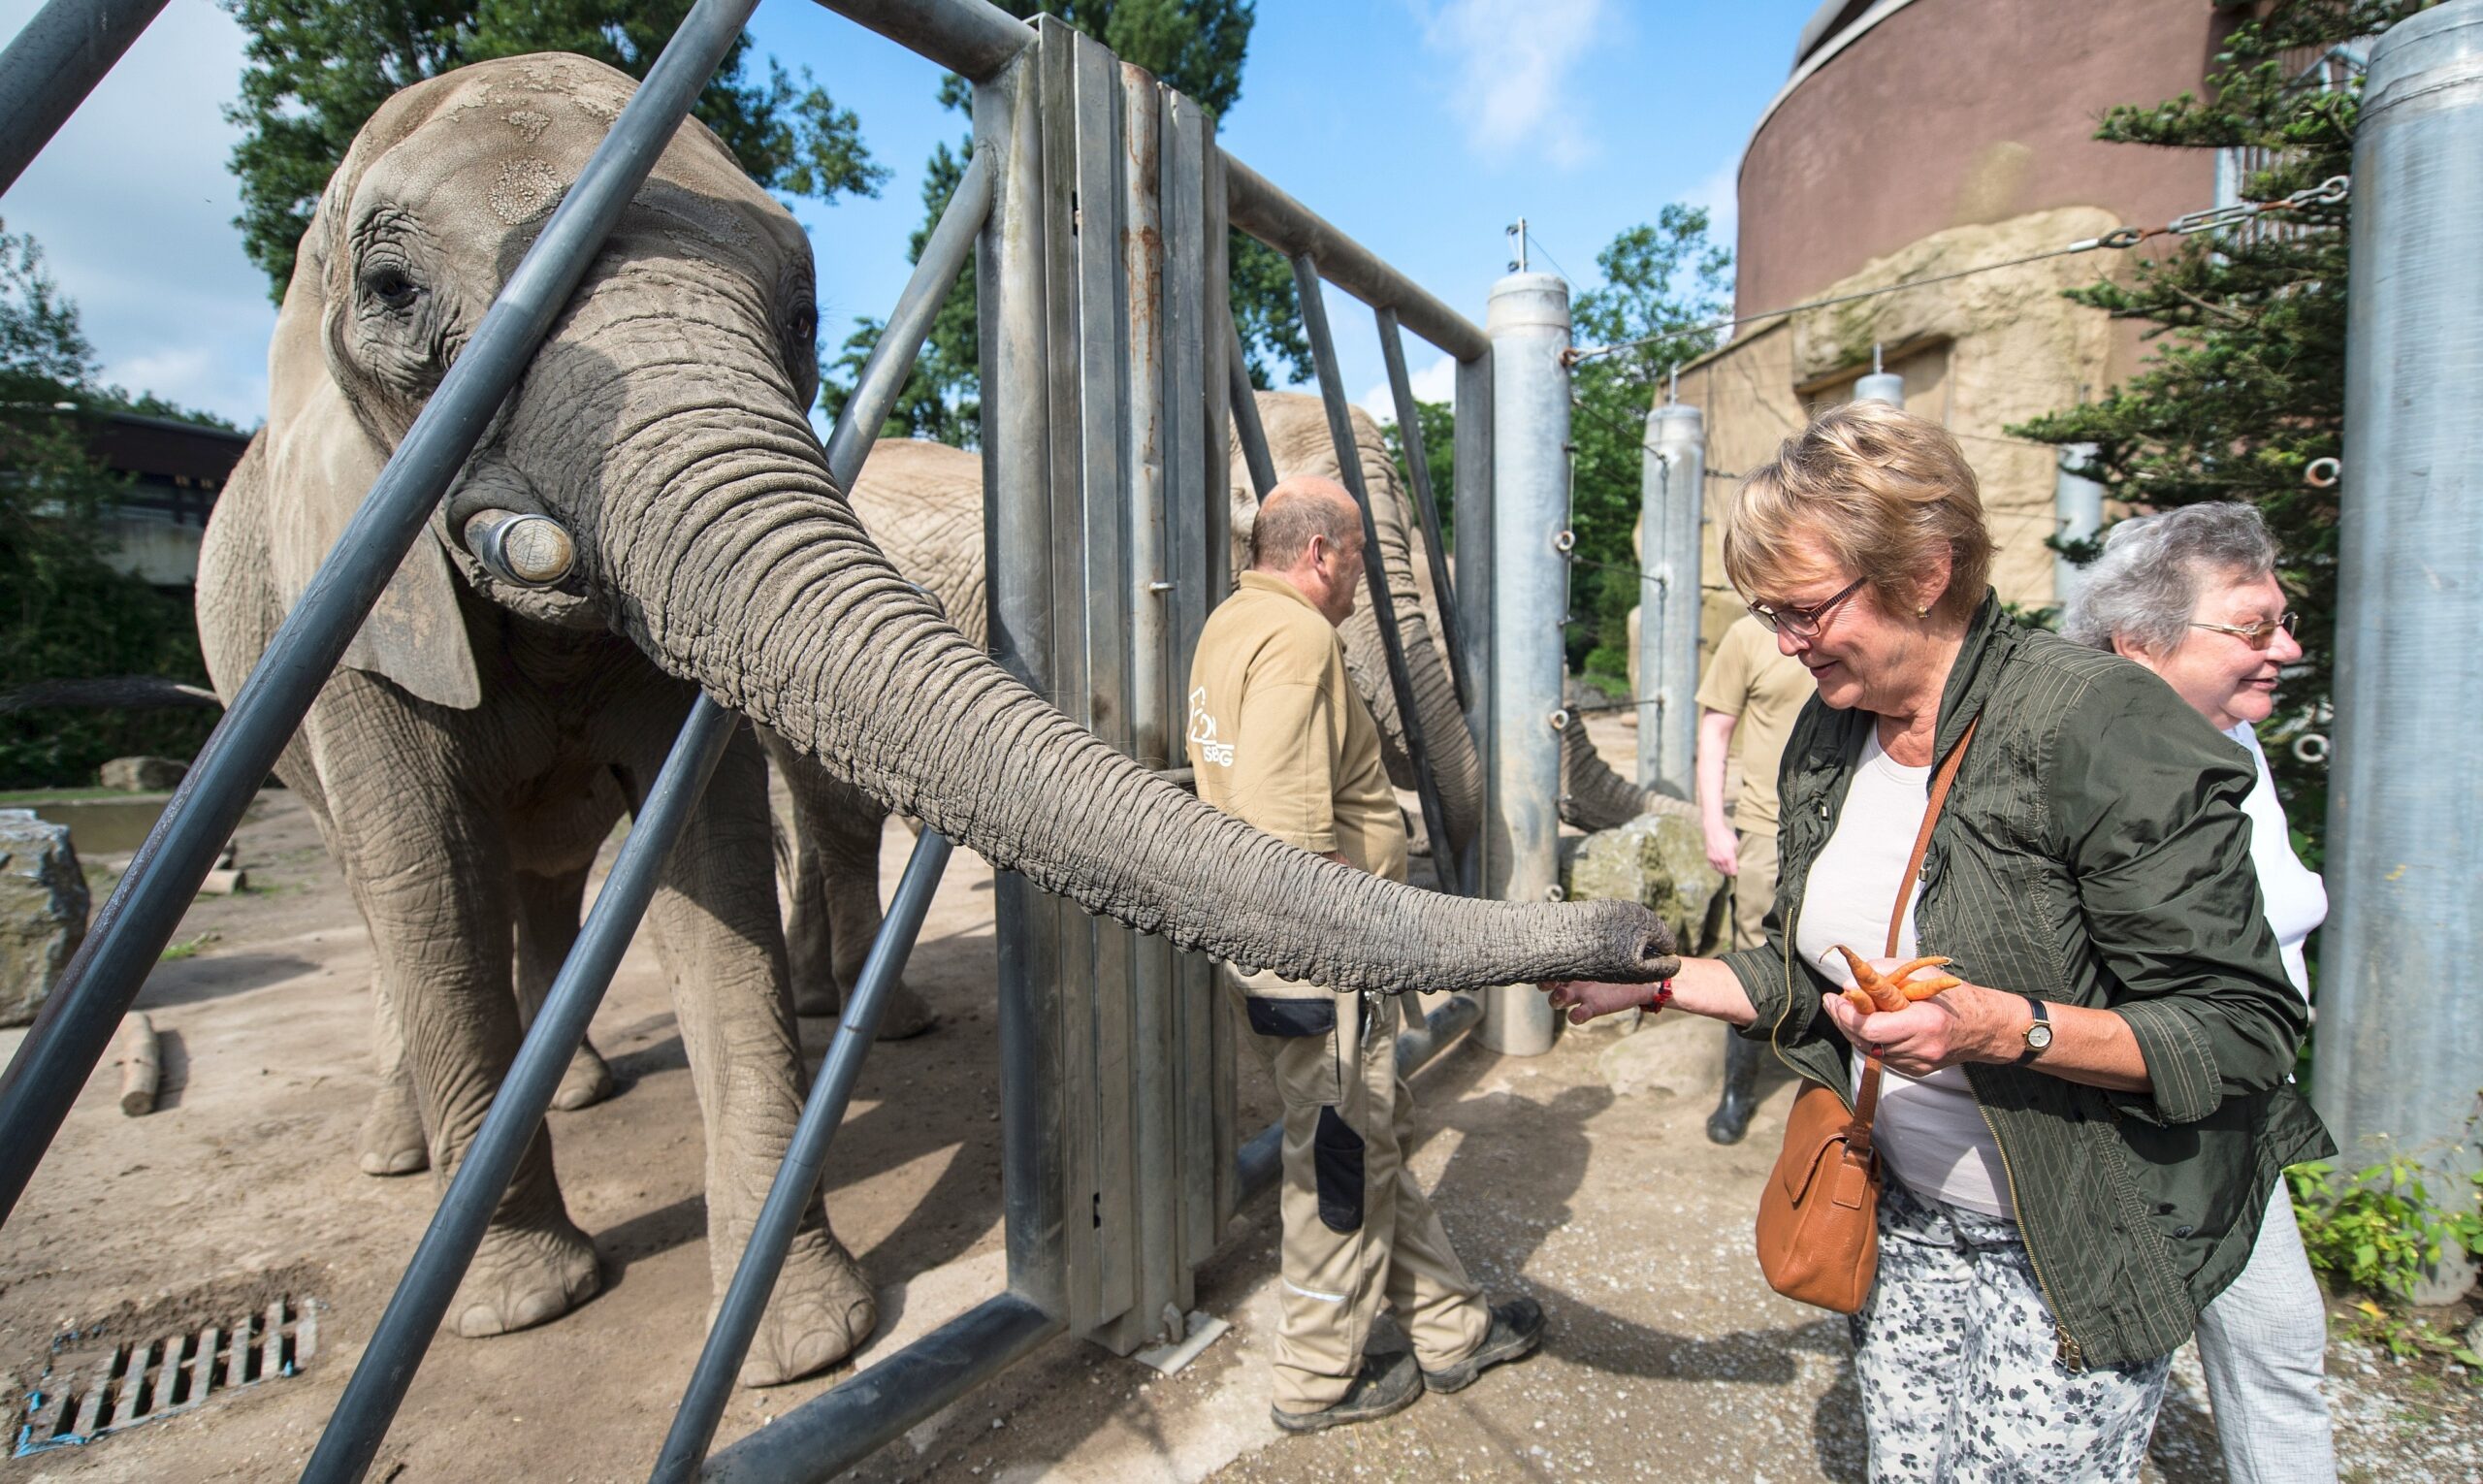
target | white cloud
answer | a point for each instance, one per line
(1436, 382)
(1720, 192)
(134, 207)
(1514, 61)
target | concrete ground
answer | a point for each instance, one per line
(1582, 1178)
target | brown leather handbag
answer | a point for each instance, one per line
(1819, 1219)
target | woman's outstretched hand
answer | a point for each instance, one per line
(1585, 998)
(1967, 1022)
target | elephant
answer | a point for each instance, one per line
(478, 730)
(923, 501)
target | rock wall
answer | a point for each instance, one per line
(42, 911)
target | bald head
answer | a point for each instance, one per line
(1296, 510)
(1309, 534)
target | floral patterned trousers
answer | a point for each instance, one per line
(1956, 1356)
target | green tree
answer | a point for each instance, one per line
(1663, 282)
(2245, 388)
(1197, 47)
(68, 614)
(318, 69)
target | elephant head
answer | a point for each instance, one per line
(664, 426)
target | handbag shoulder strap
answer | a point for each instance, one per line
(1866, 1101)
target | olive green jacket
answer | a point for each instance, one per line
(2093, 852)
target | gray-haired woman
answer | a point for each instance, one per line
(2192, 594)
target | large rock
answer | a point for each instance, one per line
(1659, 860)
(144, 775)
(42, 911)
(1673, 1056)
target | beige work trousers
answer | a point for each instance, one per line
(1358, 1230)
(1753, 889)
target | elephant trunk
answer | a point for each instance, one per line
(725, 554)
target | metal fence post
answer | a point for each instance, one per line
(2400, 1041)
(1528, 325)
(1471, 441)
(1671, 504)
(2078, 502)
(53, 64)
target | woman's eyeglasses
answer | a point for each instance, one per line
(2258, 635)
(1804, 623)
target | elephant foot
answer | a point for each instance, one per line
(522, 1276)
(586, 1082)
(813, 1002)
(823, 1309)
(390, 1141)
(906, 1015)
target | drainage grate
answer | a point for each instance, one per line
(82, 1396)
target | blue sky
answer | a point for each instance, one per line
(1422, 128)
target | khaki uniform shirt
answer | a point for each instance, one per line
(1280, 738)
(1750, 678)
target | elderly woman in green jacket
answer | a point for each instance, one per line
(2080, 1139)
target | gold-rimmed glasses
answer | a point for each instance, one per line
(2258, 635)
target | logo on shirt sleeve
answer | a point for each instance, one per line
(1203, 732)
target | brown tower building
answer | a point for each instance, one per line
(1917, 138)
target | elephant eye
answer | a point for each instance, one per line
(390, 286)
(804, 324)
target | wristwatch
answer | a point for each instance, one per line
(2039, 1036)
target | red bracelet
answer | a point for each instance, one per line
(1664, 997)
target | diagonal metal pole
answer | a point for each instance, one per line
(1252, 435)
(53, 64)
(77, 1022)
(798, 1177)
(1401, 681)
(413, 1314)
(1418, 470)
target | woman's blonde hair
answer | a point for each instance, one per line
(1883, 491)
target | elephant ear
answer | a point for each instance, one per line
(322, 459)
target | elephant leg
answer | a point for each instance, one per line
(390, 1141)
(723, 946)
(428, 863)
(547, 925)
(835, 880)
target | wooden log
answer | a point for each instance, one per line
(141, 1065)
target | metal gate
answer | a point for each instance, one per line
(1096, 208)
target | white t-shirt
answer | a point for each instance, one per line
(2296, 898)
(1929, 1130)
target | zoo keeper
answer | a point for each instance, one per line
(2080, 1138)
(1280, 738)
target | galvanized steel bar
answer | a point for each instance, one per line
(2400, 1036)
(1013, 303)
(832, 1432)
(1383, 609)
(413, 1314)
(891, 359)
(1247, 430)
(76, 1024)
(2078, 505)
(55, 62)
(969, 37)
(1673, 487)
(796, 1190)
(1418, 473)
(1259, 1162)
(1259, 209)
(1529, 320)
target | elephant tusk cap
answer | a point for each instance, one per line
(530, 551)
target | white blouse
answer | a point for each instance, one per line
(1929, 1129)
(2296, 898)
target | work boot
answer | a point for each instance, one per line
(1731, 1118)
(1517, 1328)
(1386, 1384)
